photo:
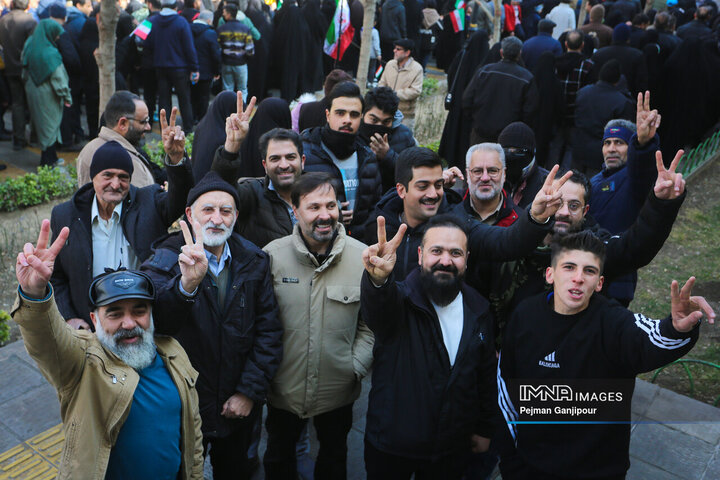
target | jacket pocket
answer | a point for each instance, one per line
(341, 307)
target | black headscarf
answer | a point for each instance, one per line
(210, 133)
(456, 133)
(271, 113)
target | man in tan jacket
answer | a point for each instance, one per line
(405, 76)
(127, 121)
(327, 349)
(100, 376)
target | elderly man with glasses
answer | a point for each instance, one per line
(126, 120)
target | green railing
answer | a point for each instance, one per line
(683, 362)
(697, 157)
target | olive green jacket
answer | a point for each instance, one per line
(327, 348)
(96, 390)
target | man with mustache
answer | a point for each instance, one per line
(215, 292)
(264, 208)
(620, 189)
(485, 199)
(336, 149)
(420, 195)
(128, 399)
(433, 391)
(327, 348)
(629, 251)
(113, 223)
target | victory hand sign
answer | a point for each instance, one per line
(379, 259)
(35, 264)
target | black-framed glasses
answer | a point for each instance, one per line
(145, 121)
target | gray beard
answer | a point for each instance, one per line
(138, 355)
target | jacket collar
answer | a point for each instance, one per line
(309, 259)
(109, 135)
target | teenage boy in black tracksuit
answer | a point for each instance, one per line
(571, 335)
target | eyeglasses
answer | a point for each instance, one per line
(493, 172)
(145, 121)
(573, 206)
(517, 151)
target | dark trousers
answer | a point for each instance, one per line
(92, 108)
(200, 96)
(384, 466)
(19, 107)
(149, 84)
(71, 127)
(514, 467)
(228, 455)
(167, 79)
(284, 429)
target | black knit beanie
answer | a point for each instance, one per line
(212, 182)
(110, 155)
(517, 135)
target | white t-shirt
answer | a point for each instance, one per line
(451, 324)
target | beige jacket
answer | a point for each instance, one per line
(407, 83)
(327, 349)
(141, 177)
(96, 390)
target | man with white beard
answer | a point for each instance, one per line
(485, 199)
(123, 392)
(215, 295)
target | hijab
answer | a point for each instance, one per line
(271, 113)
(40, 55)
(210, 133)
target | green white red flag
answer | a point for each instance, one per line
(458, 20)
(341, 32)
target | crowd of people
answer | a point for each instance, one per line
(319, 245)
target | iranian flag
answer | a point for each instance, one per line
(458, 20)
(143, 30)
(340, 31)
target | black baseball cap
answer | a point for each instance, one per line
(119, 285)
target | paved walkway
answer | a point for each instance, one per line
(31, 438)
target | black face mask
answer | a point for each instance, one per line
(516, 163)
(341, 144)
(367, 131)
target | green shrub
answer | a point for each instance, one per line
(4, 326)
(430, 86)
(156, 151)
(434, 146)
(35, 188)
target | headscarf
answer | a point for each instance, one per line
(40, 55)
(271, 113)
(210, 133)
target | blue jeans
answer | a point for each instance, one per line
(234, 78)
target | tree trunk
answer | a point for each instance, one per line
(583, 13)
(366, 44)
(105, 53)
(497, 28)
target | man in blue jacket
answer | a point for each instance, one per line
(620, 189)
(170, 43)
(542, 42)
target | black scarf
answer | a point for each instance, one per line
(341, 144)
(367, 131)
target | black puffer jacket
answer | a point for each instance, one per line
(420, 406)
(262, 215)
(146, 215)
(236, 347)
(370, 187)
(485, 242)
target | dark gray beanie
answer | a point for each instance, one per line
(110, 155)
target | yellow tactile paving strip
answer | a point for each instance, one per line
(34, 459)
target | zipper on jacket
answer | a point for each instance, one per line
(112, 375)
